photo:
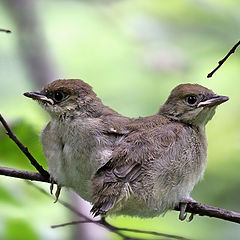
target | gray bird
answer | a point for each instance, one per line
(156, 165)
(139, 167)
(80, 136)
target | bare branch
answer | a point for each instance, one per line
(105, 223)
(114, 229)
(210, 211)
(221, 62)
(196, 208)
(33, 176)
(69, 223)
(5, 30)
(24, 149)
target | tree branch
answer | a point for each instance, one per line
(24, 149)
(210, 211)
(196, 208)
(5, 30)
(221, 62)
(33, 176)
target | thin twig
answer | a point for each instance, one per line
(221, 62)
(24, 149)
(5, 30)
(33, 176)
(104, 222)
(114, 229)
(69, 223)
(152, 233)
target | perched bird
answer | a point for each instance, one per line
(80, 135)
(138, 167)
(156, 165)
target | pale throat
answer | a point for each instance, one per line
(204, 116)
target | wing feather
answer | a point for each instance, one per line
(127, 165)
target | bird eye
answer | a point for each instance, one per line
(191, 99)
(58, 96)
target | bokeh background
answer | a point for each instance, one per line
(133, 52)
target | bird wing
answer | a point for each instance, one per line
(127, 164)
(108, 184)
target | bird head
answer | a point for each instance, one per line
(65, 97)
(192, 104)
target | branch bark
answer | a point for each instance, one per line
(27, 175)
(211, 211)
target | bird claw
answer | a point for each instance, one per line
(183, 206)
(191, 217)
(52, 185)
(182, 214)
(58, 191)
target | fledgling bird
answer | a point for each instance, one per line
(80, 135)
(156, 165)
(139, 167)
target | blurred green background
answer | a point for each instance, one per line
(133, 52)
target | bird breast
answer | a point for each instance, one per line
(73, 152)
(181, 167)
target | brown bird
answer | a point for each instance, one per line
(80, 136)
(156, 165)
(139, 167)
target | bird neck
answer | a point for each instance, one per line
(198, 117)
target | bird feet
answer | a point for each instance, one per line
(58, 191)
(183, 206)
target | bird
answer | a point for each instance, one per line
(156, 165)
(79, 137)
(131, 166)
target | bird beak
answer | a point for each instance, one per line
(213, 101)
(39, 96)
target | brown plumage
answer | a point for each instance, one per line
(155, 166)
(138, 167)
(70, 86)
(80, 135)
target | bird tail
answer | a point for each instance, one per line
(105, 199)
(111, 185)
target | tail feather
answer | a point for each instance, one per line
(105, 199)
(101, 208)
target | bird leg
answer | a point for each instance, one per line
(58, 191)
(183, 206)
